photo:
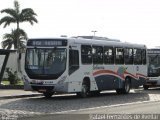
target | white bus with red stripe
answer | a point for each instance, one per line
(84, 65)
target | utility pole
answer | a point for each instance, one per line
(94, 32)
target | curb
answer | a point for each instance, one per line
(19, 96)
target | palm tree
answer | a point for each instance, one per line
(18, 16)
(10, 39)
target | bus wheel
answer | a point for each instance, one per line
(119, 91)
(95, 93)
(126, 88)
(48, 94)
(85, 90)
(127, 85)
(145, 87)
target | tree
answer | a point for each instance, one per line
(18, 16)
(11, 39)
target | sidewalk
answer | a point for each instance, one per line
(12, 93)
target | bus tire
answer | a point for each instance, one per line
(95, 93)
(127, 85)
(85, 91)
(145, 87)
(126, 88)
(48, 94)
(119, 91)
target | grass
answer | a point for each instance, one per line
(6, 82)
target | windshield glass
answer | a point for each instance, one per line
(45, 63)
(154, 65)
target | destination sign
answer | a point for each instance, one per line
(47, 42)
(153, 51)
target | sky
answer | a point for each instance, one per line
(134, 21)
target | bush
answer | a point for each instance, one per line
(12, 76)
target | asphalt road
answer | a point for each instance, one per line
(68, 107)
(131, 108)
(143, 110)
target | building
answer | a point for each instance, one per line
(8, 59)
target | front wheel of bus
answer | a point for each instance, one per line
(48, 94)
(84, 91)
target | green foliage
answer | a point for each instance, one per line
(12, 76)
(10, 39)
(6, 82)
(17, 16)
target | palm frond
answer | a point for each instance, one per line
(22, 44)
(23, 38)
(7, 36)
(11, 12)
(22, 32)
(17, 16)
(7, 20)
(22, 35)
(9, 47)
(31, 20)
(16, 36)
(28, 15)
(7, 43)
(28, 11)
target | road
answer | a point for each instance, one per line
(108, 102)
(129, 108)
(143, 110)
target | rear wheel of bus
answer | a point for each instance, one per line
(145, 87)
(95, 93)
(48, 94)
(126, 88)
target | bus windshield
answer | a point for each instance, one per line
(154, 65)
(45, 63)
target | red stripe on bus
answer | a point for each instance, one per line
(115, 73)
(108, 72)
(103, 71)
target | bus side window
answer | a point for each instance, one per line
(119, 56)
(108, 55)
(73, 61)
(97, 52)
(86, 54)
(137, 56)
(128, 56)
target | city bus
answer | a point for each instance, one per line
(85, 65)
(153, 68)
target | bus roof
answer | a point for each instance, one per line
(95, 40)
(104, 42)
